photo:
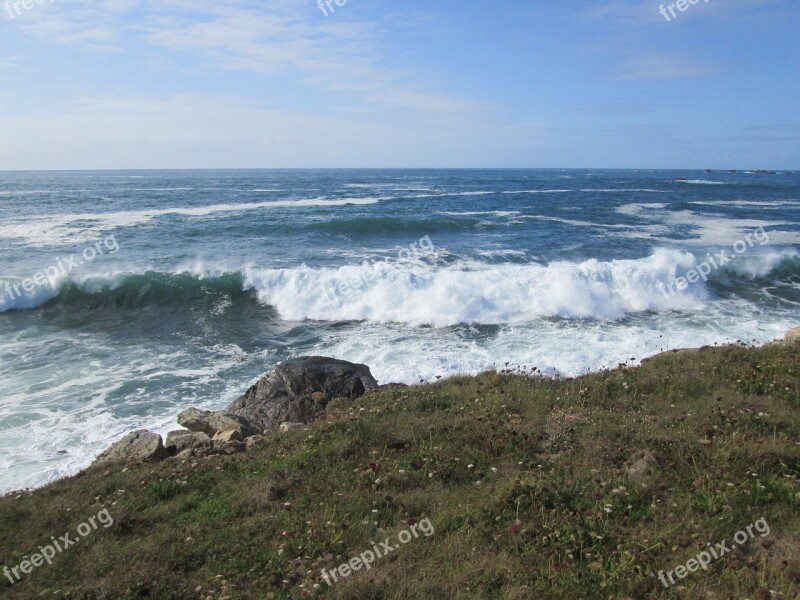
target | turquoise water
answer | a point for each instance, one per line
(127, 296)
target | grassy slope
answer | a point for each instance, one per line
(684, 450)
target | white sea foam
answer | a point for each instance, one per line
(480, 213)
(638, 207)
(570, 348)
(640, 231)
(640, 190)
(477, 293)
(707, 230)
(760, 264)
(171, 189)
(502, 254)
(367, 186)
(429, 292)
(75, 228)
(764, 204)
(60, 437)
(448, 194)
(25, 192)
(536, 192)
(20, 299)
(700, 182)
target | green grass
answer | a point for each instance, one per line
(579, 488)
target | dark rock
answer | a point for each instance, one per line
(309, 374)
(269, 413)
(299, 389)
(136, 447)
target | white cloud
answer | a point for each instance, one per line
(338, 60)
(656, 67)
(279, 37)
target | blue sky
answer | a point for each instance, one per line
(97, 84)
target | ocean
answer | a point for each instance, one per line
(126, 297)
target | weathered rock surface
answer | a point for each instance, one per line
(212, 423)
(229, 447)
(231, 435)
(793, 335)
(299, 389)
(136, 447)
(185, 443)
(290, 426)
(254, 441)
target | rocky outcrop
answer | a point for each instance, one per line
(793, 335)
(309, 374)
(212, 423)
(298, 390)
(185, 443)
(291, 395)
(291, 426)
(228, 436)
(136, 447)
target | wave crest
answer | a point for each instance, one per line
(418, 293)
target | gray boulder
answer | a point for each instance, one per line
(136, 447)
(186, 443)
(291, 426)
(299, 389)
(212, 423)
(228, 436)
(229, 446)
